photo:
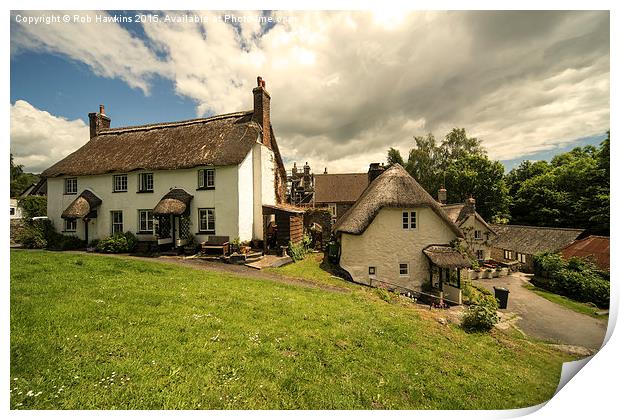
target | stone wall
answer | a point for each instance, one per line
(16, 227)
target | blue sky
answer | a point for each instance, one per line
(345, 86)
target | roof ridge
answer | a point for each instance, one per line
(537, 227)
(145, 127)
(345, 173)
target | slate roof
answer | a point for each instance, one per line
(219, 140)
(533, 239)
(339, 188)
(593, 247)
(394, 188)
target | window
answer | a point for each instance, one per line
(409, 220)
(12, 211)
(403, 269)
(70, 185)
(206, 220)
(521, 257)
(372, 271)
(477, 234)
(507, 255)
(120, 183)
(117, 221)
(70, 225)
(145, 221)
(206, 179)
(480, 254)
(145, 182)
(333, 210)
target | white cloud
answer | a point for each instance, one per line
(39, 139)
(345, 86)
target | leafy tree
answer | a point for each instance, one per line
(394, 156)
(20, 180)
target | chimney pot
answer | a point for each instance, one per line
(262, 105)
(102, 109)
(259, 81)
(98, 121)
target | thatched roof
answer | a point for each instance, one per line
(79, 208)
(339, 188)
(220, 140)
(460, 212)
(533, 239)
(446, 257)
(175, 202)
(394, 188)
(595, 248)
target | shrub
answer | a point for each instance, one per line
(577, 279)
(117, 243)
(299, 251)
(481, 315)
(58, 242)
(31, 237)
(33, 206)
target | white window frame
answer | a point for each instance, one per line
(149, 220)
(72, 227)
(400, 269)
(119, 183)
(12, 211)
(206, 178)
(206, 220)
(114, 224)
(145, 182)
(372, 271)
(71, 186)
(478, 235)
(521, 257)
(480, 254)
(507, 254)
(409, 220)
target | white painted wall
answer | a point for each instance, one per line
(469, 226)
(385, 244)
(224, 198)
(263, 183)
(245, 187)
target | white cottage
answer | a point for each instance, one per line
(204, 177)
(478, 235)
(397, 235)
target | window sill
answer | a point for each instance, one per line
(205, 232)
(145, 233)
(205, 188)
(120, 191)
(68, 193)
(145, 192)
(68, 231)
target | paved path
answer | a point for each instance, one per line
(546, 320)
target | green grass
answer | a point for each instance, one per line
(568, 303)
(313, 269)
(97, 332)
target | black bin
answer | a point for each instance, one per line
(501, 294)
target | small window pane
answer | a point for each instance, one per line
(71, 186)
(372, 271)
(405, 220)
(120, 183)
(413, 220)
(117, 222)
(404, 269)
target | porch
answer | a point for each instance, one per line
(446, 266)
(172, 219)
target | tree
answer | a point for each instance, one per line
(20, 180)
(394, 156)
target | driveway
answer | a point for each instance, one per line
(546, 320)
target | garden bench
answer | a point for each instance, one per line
(216, 242)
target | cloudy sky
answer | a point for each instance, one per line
(344, 86)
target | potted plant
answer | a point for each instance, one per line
(488, 273)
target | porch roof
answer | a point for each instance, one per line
(82, 206)
(445, 256)
(175, 202)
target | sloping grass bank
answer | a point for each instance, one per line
(96, 332)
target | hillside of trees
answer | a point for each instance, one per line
(20, 180)
(572, 190)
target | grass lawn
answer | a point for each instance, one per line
(573, 305)
(96, 332)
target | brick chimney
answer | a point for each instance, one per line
(374, 171)
(262, 107)
(442, 195)
(98, 121)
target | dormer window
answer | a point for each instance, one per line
(206, 179)
(478, 234)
